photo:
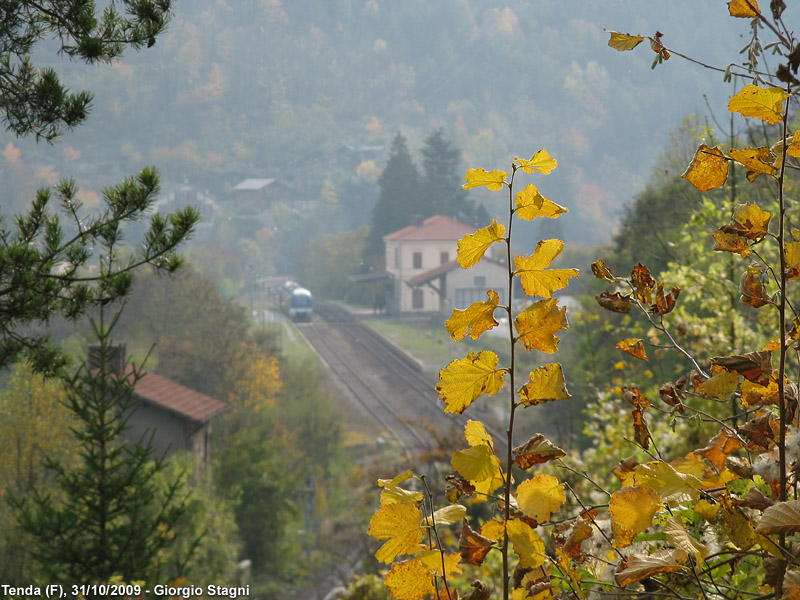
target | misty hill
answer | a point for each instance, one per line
(312, 91)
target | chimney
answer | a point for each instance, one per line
(115, 357)
(416, 220)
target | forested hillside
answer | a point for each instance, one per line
(309, 91)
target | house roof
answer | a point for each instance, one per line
(436, 272)
(437, 227)
(253, 184)
(178, 399)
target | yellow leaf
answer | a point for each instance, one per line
(475, 319)
(633, 346)
(448, 515)
(740, 8)
(527, 544)
(432, 559)
(708, 169)
(409, 580)
(476, 434)
(751, 221)
(392, 492)
(538, 325)
(680, 538)
(531, 204)
(720, 385)
(794, 146)
(705, 509)
(480, 466)
(632, 510)
(641, 566)
(545, 384)
(492, 529)
(537, 279)
(765, 104)
(472, 247)
(624, 41)
(731, 242)
(792, 254)
(465, 379)
(757, 160)
(673, 487)
(737, 525)
(541, 161)
(493, 180)
(400, 524)
(601, 271)
(540, 497)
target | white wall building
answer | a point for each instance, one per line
(422, 260)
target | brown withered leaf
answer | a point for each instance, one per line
(658, 47)
(642, 283)
(739, 466)
(794, 59)
(754, 499)
(456, 487)
(785, 75)
(672, 394)
(635, 398)
(536, 451)
(641, 434)
(731, 242)
(472, 545)
(481, 591)
(759, 432)
(581, 532)
(636, 567)
(777, 7)
(755, 366)
(602, 272)
(664, 302)
(615, 302)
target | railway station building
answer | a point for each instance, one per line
(421, 260)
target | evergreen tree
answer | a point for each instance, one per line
(400, 196)
(111, 518)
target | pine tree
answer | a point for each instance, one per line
(400, 196)
(110, 518)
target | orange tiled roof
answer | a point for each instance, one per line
(437, 227)
(178, 399)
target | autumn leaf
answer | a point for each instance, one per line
(632, 510)
(527, 544)
(466, 379)
(581, 531)
(541, 161)
(731, 242)
(749, 220)
(633, 346)
(624, 41)
(409, 580)
(758, 161)
(736, 525)
(680, 538)
(493, 529)
(447, 515)
(765, 104)
(480, 467)
(545, 384)
(720, 385)
(600, 271)
(473, 546)
(392, 492)
(456, 487)
(473, 246)
(752, 291)
(673, 487)
(531, 204)
(720, 447)
(755, 366)
(400, 524)
(476, 434)
(791, 251)
(641, 566)
(643, 283)
(537, 279)
(538, 325)
(540, 497)
(664, 303)
(794, 146)
(708, 169)
(781, 517)
(641, 434)
(432, 559)
(615, 302)
(536, 451)
(493, 180)
(475, 319)
(741, 9)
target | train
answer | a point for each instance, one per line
(296, 301)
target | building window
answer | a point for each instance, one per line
(444, 257)
(416, 299)
(480, 281)
(417, 260)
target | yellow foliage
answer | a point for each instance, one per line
(538, 325)
(493, 180)
(545, 384)
(541, 161)
(472, 247)
(465, 379)
(531, 204)
(480, 467)
(476, 434)
(633, 346)
(261, 383)
(751, 220)
(757, 160)
(400, 525)
(624, 41)
(475, 319)
(708, 169)
(673, 487)
(540, 497)
(409, 580)
(527, 544)
(765, 104)
(632, 510)
(720, 385)
(741, 9)
(537, 279)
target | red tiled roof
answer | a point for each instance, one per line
(177, 398)
(437, 227)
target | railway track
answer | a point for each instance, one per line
(408, 394)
